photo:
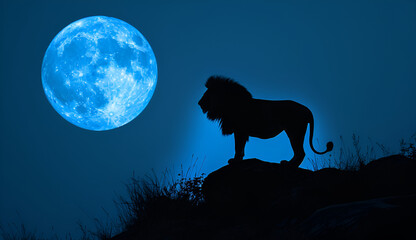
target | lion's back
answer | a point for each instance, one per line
(285, 111)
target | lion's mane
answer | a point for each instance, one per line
(231, 102)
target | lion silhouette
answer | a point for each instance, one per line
(229, 103)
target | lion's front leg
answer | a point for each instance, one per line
(240, 143)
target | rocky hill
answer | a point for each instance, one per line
(254, 199)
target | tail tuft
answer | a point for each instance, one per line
(329, 146)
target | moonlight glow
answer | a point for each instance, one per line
(99, 73)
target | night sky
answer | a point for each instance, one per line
(351, 62)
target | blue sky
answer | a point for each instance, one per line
(351, 62)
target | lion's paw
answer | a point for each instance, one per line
(284, 162)
(234, 161)
(287, 164)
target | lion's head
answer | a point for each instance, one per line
(225, 101)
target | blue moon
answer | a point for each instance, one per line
(99, 73)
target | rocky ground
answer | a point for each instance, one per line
(254, 199)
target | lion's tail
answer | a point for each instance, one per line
(329, 145)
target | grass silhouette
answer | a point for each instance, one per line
(408, 148)
(355, 156)
(19, 232)
(157, 204)
(155, 199)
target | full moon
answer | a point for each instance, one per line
(99, 73)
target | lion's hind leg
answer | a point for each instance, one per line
(297, 137)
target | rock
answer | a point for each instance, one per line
(254, 199)
(250, 182)
(297, 192)
(380, 218)
(389, 176)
